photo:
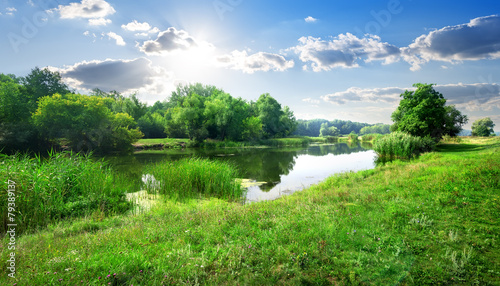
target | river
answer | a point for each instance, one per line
(274, 171)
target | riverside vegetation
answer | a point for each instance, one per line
(427, 221)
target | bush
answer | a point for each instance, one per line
(371, 137)
(353, 137)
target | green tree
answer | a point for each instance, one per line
(454, 121)
(152, 125)
(85, 123)
(328, 131)
(483, 127)
(421, 112)
(42, 82)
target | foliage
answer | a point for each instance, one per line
(62, 186)
(376, 129)
(403, 145)
(423, 113)
(328, 131)
(371, 137)
(352, 137)
(483, 127)
(152, 125)
(194, 178)
(85, 122)
(312, 127)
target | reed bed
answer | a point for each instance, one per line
(58, 187)
(403, 145)
(371, 137)
(193, 178)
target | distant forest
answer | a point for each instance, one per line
(313, 127)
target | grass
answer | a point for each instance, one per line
(194, 178)
(429, 221)
(402, 145)
(61, 186)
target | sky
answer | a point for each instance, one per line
(333, 59)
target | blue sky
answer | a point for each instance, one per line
(324, 59)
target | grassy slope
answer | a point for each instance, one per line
(434, 220)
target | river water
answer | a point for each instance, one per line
(274, 171)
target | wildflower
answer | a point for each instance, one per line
(99, 278)
(140, 271)
(60, 280)
(108, 276)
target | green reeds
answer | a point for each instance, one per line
(194, 178)
(371, 137)
(403, 145)
(61, 186)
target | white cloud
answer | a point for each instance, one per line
(30, 2)
(310, 19)
(344, 51)
(119, 40)
(310, 100)
(11, 9)
(171, 40)
(136, 26)
(473, 97)
(99, 22)
(256, 62)
(476, 40)
(125, 76)
(386, 94)
(94, 10)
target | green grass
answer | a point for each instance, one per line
(194, 178)
(429, 221)
(61, 186)
(373, 137)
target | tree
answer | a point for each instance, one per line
(483, 127)
(454, 121)
(42, 82)
(85, 123)
(328, 131)
(423, 113)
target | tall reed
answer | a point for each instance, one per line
(194, 178)
(403, 145)
(61, 186)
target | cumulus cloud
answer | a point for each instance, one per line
(171, 40)
(345, 50)
(120, 75)
(256, 62)
(473, 97)
(310, 19)
(119, 40)
(136, 26)
(476, 40)
(99, 22)
(94, 10)
(385, 94)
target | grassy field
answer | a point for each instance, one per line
(428, 221)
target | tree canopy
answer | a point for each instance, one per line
(423, 113)
(483, 127)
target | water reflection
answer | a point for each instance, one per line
(284, 170)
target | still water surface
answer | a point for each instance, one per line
(280, 171)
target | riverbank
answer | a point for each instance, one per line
(432, 220)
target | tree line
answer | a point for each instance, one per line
(323, 127)
(39, 112)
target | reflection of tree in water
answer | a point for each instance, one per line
(335, 149)
(265, 165)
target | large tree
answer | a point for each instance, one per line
(423, 113)
(85, 123)
(483, 127)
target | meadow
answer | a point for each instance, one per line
(431, 220)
